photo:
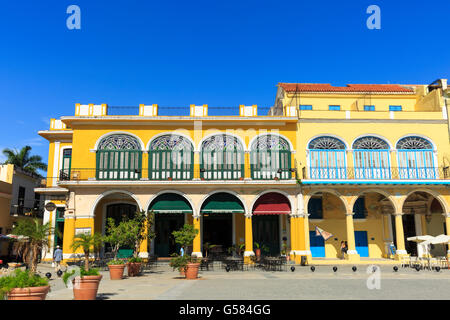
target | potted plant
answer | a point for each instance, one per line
(116, 268)
(87, 282)
(116, 236)
(179, 263)
(207, 246)
(185, 237)
(257, 250)
(23, 285)
(33, 238)
(136, 231)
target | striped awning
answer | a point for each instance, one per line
(170, 203)
(272, 203)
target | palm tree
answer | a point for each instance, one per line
(23, 160)
(35, 239)
(86, 242)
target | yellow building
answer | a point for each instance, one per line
(366, 163)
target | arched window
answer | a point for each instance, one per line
(327, 158)
(119, 157)
(270, 158)
(371, 158)
(415, 158)
(222, 158)
(171, 156)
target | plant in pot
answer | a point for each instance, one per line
(85, 284)
(23, 285)
(207, 246)
(257, 250)
(179, 263)
(35, 239)
(136, 231)
(185, 237)
(116, 236)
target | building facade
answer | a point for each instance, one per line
(367, 163)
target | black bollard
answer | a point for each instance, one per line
(292, 268)
(395, 268)
(438, 269)
(59, 273)
(48, 275)
(418, 268)
(354, 268)
(313, 268)
(334, 268)
(227, 268)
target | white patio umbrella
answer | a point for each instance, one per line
(440, 239)
(423, 248)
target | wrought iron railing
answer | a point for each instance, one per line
(362, 173)
(189, 173)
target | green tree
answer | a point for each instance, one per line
(35, 239)
(24, 160)
(87, 242)
(116, 235)
(137, 229)
(186, 235)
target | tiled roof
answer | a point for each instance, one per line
(326, 87)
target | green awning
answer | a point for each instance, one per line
(222, 202)
(170, 203)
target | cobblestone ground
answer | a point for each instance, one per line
(164, 284)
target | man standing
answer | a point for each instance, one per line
(57, 257)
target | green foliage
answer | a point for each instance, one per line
(83, 272)
(186, 235)
(207, 246)
(115, 262)
(23, 160)
(178, 262)
(87, 242)
(256, 244)
(134, 231)
(135, 259)
(20, 279)
(116, 235)
(36, 239)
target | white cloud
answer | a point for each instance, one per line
(34, 142)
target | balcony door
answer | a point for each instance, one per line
(416, 159)
(371, 158)
(327, 158)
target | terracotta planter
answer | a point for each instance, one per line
(182, 272)
(32, 293)
(192, 270)
(258, 253)
(134, 268)
(116, 271)
(86, 288)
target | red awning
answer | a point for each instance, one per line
(272, 203)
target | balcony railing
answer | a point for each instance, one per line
(392, 173)
(19, 210)
(238, 173)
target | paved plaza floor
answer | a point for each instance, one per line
(162, 283)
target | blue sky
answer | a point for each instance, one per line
(222, 53)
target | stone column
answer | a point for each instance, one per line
(352, 254)
(400, 237)
(197, 245)
(248, 239)
(447, 226)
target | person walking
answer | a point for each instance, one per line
(57, 257)
(343, 249)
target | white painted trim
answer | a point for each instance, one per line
(352, 252)
(373, 135)
(170, 133)
(184, 195)
(106, 193)
(219, 133)
(118, 132)
(328, 135)
(55, 164)
(270, 134)
(417, 135)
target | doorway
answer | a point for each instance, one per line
(409, 227)
(266, 232)
(218, 230)
(165, 224)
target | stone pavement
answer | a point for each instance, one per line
(164, 284)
